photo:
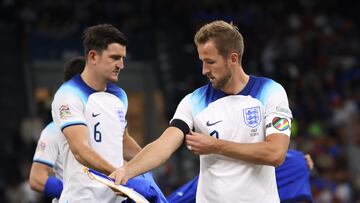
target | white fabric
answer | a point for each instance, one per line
(104, 115)
(244, 118)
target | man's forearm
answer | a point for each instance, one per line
(90, 158)
(155, 153)
(269, 152)
(146, 160)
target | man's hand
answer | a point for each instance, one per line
(200, 143)
(119, 175)
(309, 161)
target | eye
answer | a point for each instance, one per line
(209, 62)
(115, 57)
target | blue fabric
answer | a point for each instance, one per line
(292, 177)
(186, 193)
(146, 186)
(257, 87)
(53, 187)
(143, 184)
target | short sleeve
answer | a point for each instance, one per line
(47, 150)
(183, 112)
(277, 112)
(67, 109)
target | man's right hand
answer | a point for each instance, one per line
(119, 175)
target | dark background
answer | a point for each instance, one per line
(310, 47)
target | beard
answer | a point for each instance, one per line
(223, 81)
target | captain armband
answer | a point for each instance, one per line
(181, 125)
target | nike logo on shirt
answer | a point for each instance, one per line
(94, 115)
(211, 124)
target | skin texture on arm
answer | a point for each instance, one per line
(39, 174)
(271, 152)
(77, 138)
(130, 146)
(153, 155)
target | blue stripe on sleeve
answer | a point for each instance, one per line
(50, 164)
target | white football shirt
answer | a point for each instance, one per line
(75, 103)
(47, 150)
(260, 109)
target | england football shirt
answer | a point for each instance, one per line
(75, 103)
(47, 150)
(259, 110)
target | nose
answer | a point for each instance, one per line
(205, 69)
(120, 64)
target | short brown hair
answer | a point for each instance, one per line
(98, 37)
(227, 37)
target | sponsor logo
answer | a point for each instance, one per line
(211, 124)
(280, 123)
(252, 116)
(94, 115)
(65, 111)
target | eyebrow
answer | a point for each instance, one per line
(117, 56)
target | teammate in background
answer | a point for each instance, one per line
(238, 124)
(91, 112)
(292, 178)
(47, 159)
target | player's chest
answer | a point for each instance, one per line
(105, 108)
(235, 119)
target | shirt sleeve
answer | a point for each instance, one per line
(183, 112)
(47, 149)
(278, 115)
(67, 109)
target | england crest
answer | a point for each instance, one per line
(252, 116)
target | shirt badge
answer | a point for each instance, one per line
(65, 111)
(252, 116)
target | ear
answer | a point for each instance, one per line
(234, 57)
(92, 57)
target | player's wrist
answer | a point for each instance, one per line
(217, 146)
(53, 187)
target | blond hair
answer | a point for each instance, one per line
(226, 37)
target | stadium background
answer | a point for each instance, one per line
(311, 47)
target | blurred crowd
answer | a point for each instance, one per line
(310, 47)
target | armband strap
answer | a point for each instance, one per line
(181, 125)
(53, 187)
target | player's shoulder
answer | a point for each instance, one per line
(118, 92)
(265, 82)
(263, 88)
(50, 131)
(75, 88)
(201, 90)
(72, 86)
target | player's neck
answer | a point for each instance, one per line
(237, 82)
(93, 80)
